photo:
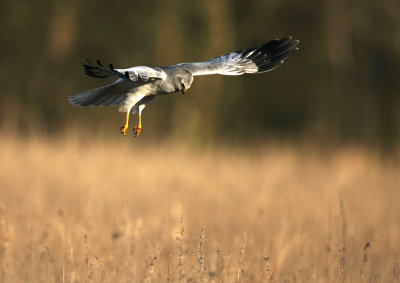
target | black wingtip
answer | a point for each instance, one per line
(272, 54)
(95, 71)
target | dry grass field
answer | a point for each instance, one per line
(122, 210)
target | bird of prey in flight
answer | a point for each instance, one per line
(138, 86)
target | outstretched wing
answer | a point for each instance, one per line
(259, 59)
(143, 73)
(112, 94)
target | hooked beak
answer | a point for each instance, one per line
(184, 90)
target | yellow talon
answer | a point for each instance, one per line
(136, 131)
(138, 128)
(123, 128)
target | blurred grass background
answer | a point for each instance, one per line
(284, 170)
(76, 210)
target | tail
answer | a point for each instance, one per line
(103, 96)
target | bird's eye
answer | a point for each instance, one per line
(182, 86)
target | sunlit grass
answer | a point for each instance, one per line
(75, 209)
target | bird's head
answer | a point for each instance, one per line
(183, 81)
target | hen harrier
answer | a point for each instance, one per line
(138, 86)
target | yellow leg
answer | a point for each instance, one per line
(136, 130)
(123, 128)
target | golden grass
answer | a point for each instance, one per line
(75, 210)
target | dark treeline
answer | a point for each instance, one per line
(342, 85)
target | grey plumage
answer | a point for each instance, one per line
(254, 60)
(138, 86)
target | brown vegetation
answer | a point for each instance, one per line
(74, 210)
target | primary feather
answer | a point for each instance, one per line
(259, 59)
(134, 73)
